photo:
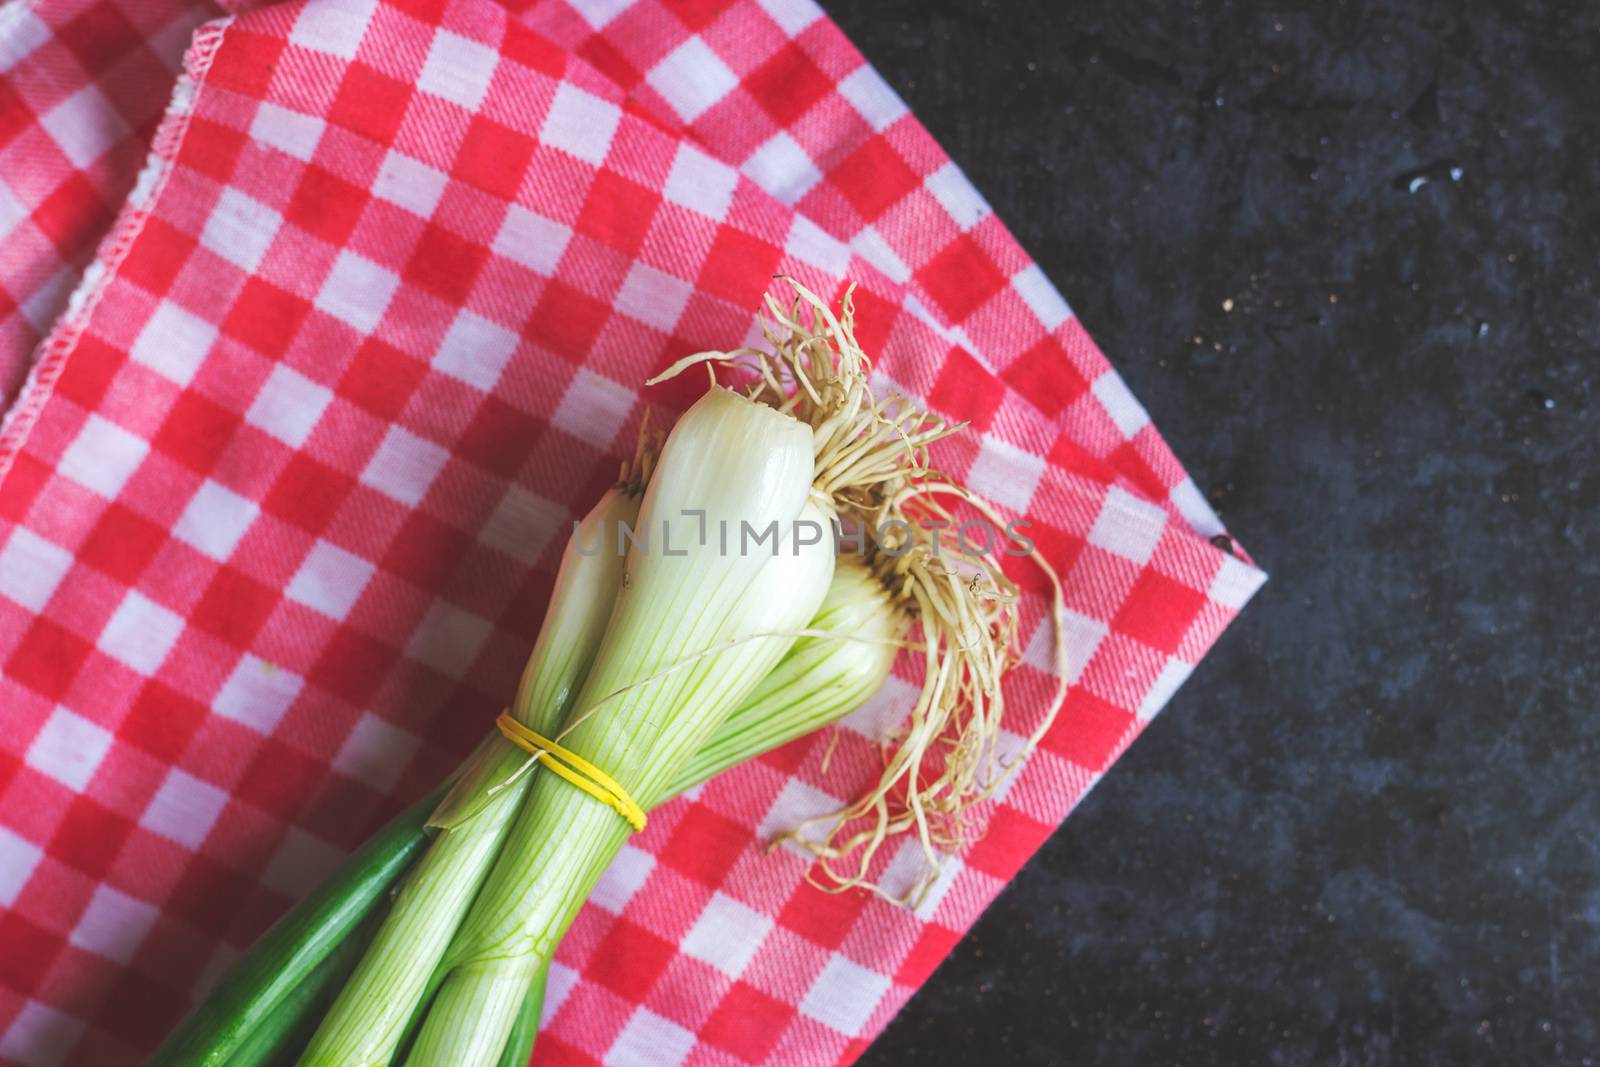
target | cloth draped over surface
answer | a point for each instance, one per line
(320, 321)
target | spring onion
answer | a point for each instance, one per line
(295, 946)
(658, 667)
(375, 1005)
(822, 678)
(851, 644)
(652, 698)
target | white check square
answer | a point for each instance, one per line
(871, 246)
(950, 869)
(1041, 296)
(597, 13)
(40, 1036)
(957, 195)
(103, 456)
(783, 169)
(692, 78)
(727, 935)
(69, 749)
(376, 752)
(48, 301)
(653, 297)
(1081, 635)
(223, 958)
(12, 210)
(1128, 526)
(883, 711)
(215, 520)
(404, 466)
(357, 291)
(84, 126)
(523, 524)
(700, 183)
(114, 925)
(240, 229)
(1192, 505)
(1173, 674)
(448, 638)
(559, 985)
(330, 580)
(475, 350)
(873, 98)
(811, 244)
(594, 408)
(626, 875)
(907, 868)
(336, 29)
(649, 1040)
(24, 32)
(1119, 402)
(31, 568)
(184, 809)
(173, 343)
(1235, 583)
(792, 16)
(795, 803)
(581, 123)
(140, 633)
(287, 131)
(1005, 474)
(531, 240)
(18, 858)
(413, 185)
(458, 69)
(844, 995)
(288, 405)
(300, 863)
(257, 694)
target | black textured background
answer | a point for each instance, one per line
(1368, 829)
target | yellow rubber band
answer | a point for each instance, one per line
(574, 768)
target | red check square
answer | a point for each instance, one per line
(705, 843)
(962, 278)
(629, 959)
(873, 178)
(747, 1023)
(48, 659)
(122, 543)
(162, 720)
(788, 84)
(1159, 611)
(90, 837)
(445, 264)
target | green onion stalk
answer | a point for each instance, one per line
(265, 1009)
(291, 955)
(689, 639)
(842, 662)
(863, 455)
(373, 1008)
(664, 667)
(683, 646)
(653, 696)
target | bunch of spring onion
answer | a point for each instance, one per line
(663, 668)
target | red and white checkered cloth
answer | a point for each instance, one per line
(281, 498)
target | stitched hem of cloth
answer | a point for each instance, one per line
(57, 346)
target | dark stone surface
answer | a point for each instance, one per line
(1368, 830)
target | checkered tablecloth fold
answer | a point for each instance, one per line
(325, 346)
